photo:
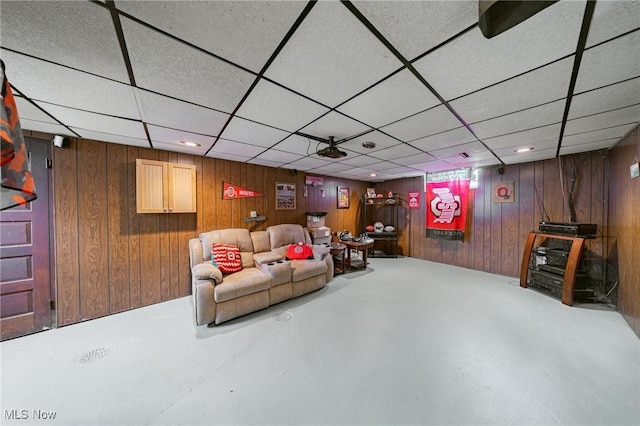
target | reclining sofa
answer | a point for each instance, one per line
(267, 277)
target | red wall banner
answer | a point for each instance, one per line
(447, 200)
(231, 192)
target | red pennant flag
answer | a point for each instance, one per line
(231, 192)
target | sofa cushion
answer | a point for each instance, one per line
(227, 256)
(266, 257)
(205, 271)
(307, 268)
(246, 281)
(283, 235)
(260, 241)
(236, 236)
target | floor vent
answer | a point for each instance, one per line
(282, 317)
(92, 356)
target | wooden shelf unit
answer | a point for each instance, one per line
(571, 269)
(383, 210)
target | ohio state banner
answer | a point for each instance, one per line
(447, 199)
(231, 192)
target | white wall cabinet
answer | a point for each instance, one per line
(163, 187)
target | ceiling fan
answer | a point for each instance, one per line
(331, 151)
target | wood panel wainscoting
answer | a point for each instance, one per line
(111, 259)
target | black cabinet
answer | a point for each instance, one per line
(381, 211)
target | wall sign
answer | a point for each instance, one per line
(285, 196)
(231, 192)
(502, 192)
(447, 199)
(414, 199)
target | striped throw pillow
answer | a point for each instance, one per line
(227, 256)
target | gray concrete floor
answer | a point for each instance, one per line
(404, 342)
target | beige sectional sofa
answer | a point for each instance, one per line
(266, 277)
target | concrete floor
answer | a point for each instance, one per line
(404, 342)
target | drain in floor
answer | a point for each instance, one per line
(282, 316)
(93, 356)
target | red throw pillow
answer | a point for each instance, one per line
(227, 256)
(299, 251)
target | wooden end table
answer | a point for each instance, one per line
(337, 251)
(359, 246)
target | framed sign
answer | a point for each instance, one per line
(285, 196)
(502, 192)
(343, 198)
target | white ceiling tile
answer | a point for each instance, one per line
(183, 149)
(536, 155)
(80, 35)
(617, 132)
(332, 168)
(415, 159)
(593, 146)
(597, 69)
(238, 148)
(427, 123)
(394, 152)
(472, 148)
(360, 160)
(299, 145)
(525, 138)
(96, 122)
(395, 98)
(168, 112)
(610, 97)
(307, 163)
(617, 117)
(109, 137)
(382, 165)
(414, 27)
(220, 27)
(611, 18)
(444, 139)
(55, 84)
(336, 125)
(46, 127)
(472, 61)
(28, 111)
(546, 84)
(277, 107)
(242, 130)
(381, 140)
(266, 163)
(280, 156)
(172, 136)
(543, 115)
(228, 156)
(164, 65)
(332, 56)
(434, 166)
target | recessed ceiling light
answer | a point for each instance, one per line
(187, 143)
(368, 145)
(373, 175)
(524, 149)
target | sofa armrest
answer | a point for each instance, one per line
(203, 301)
(206, 271)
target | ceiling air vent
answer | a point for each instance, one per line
(464, 155)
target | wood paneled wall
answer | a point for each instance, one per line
(624, 226)
(111, 259)
(496, 232)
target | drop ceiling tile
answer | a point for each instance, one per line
(221, 27)
(332, 56)
(168, 112)
(109, 137)
(619, 95)
(46, 127)
(474, 149)
(394, 152)
(332, 168)
(617, 117)
(444, 139)
(416, 159)
(617, 132)
(172, 136)
(472, 62)
(525, 138)
(611, 18)
(238, 148)
(230, 157)
(307, 163)
(597, 69)
(164, 65)
(382, 165)
(434, 166)
(59, 85)
(531, 118)
(427, 123)
(277, 107)
(540, 146)
(267, 163)
(537, 155)
(360, 160)
(241, 130)
(28, 111)
(381, 140)
(76, 34)
(279, 156)
(395, 98)
(336, 125)
(543, 85)
(593, 146)
(299, 145)
(414, 27)
(183, 149)
(96, 122)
